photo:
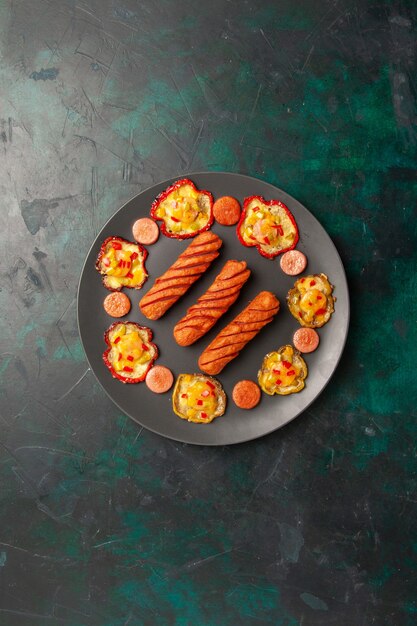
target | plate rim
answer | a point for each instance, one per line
(248, 439)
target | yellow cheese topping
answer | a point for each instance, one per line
(267, 226)
(282, 372)
(198, 398)
(130, 350)
(184, 210)
(313, 304)
(311, 301)
(122, 263)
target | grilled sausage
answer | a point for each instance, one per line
(234, 337)
(190, 265)
(214, 303)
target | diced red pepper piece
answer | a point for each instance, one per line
(175, 219)
(310, 304)
(134, 256)
(302, 280)
(116, 245)
(120, 356)
(320, 311)
(299, 314)
(210, 384)
(130, 357)
(127, 369)
(129, 275)
(278, 382)
(199, 402)
(276, 371)
(184, 395)
(291, 373)
(116, 340)
(266, 240)
(286, 364)
(312, 283)
(204, 415)
(279, 228)
(319, 297)
(145, 347)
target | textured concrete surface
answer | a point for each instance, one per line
(101, 522)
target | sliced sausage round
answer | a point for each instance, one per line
(117, 304)
(246, 394)
(145, 231)
(306, 339)
(159, 379)
(226, 211)
(293, 262)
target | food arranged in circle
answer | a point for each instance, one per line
(226, 211)
(117, 304)
(310, 300)
(306, 340)
(293, 262)
(130, 353)
(159, 379)
(122, 264)
(282, 372)
(186, 212)
(268, 225)
(145, 231)
(246, 394)
(198, 398)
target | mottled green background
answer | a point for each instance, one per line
(103, 523)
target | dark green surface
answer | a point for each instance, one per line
(103, 523)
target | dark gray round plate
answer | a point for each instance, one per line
(154, 411)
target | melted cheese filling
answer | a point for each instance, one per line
(311, 299)
(184, 210)
(197, 398)
(123, 267)
(267, 226)
(130, 350)
(279, 371)
(313, 304)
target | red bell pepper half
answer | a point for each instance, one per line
(136, 253)
(205, 202)
(146, 335)
(280, 230)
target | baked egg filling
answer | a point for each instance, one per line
(130, 350)
(198, 398)
(184, 210)
(282, 372)
(270, 227)
(122, 264)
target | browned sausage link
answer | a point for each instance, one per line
(218, 298)
(188, 268)
(234, 337)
